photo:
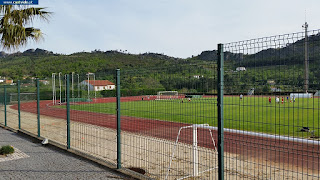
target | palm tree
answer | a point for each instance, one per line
(13, 22)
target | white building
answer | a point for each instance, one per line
(45, 82)
(98, 85)
(241, 69)
(197, 76)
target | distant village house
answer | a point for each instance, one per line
(197, 76)
(45, 82)
(9, 81)
(240, 69)
(98, 85)
(271, 82)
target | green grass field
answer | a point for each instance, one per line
(250, 114)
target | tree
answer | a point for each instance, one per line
(13, 22)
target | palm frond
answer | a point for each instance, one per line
(25, 16)
(14, 36)
(12, 23)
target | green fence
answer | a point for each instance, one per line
(249, 113)
(270, 114)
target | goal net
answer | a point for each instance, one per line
(165, 95)
(23, 97)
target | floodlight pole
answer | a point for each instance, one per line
(60, 85)
(306, 58)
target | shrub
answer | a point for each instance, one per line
(6, 150)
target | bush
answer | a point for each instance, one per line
(6, 150)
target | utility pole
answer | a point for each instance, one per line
(306, 58)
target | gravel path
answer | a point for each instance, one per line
(38, 162)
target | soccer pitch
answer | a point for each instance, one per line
(250, 114)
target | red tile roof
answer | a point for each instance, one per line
(100, 82)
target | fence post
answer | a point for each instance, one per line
(68, 112)
(5, 105)
(118, 121)
(220, 113)
(38, 105)
(19, 115)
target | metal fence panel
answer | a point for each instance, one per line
(272, 125)
(168, 120)
(93, 114)
(11, 111)
(28, 105)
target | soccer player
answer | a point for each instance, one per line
(241, 96)
(277, 99)
(269, 100)
(282, 100)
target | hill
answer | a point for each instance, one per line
(41, 63)
(169, 73)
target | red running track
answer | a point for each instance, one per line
(292, 155)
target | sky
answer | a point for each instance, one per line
(178, 28)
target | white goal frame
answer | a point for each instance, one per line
(194, 148)
(165, 95)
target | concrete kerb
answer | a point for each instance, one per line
(58, 146)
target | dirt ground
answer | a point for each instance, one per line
(153, 154)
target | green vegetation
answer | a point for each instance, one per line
(250, 114)
(268, 71)
(6, 150)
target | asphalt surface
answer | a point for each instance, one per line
(46, 162)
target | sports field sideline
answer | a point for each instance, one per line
(253, 113)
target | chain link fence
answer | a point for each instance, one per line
(251, 112)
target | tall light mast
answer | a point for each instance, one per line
(306, 58)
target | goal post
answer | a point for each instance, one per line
(165, 95)
(23, 97)
(195, 155)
